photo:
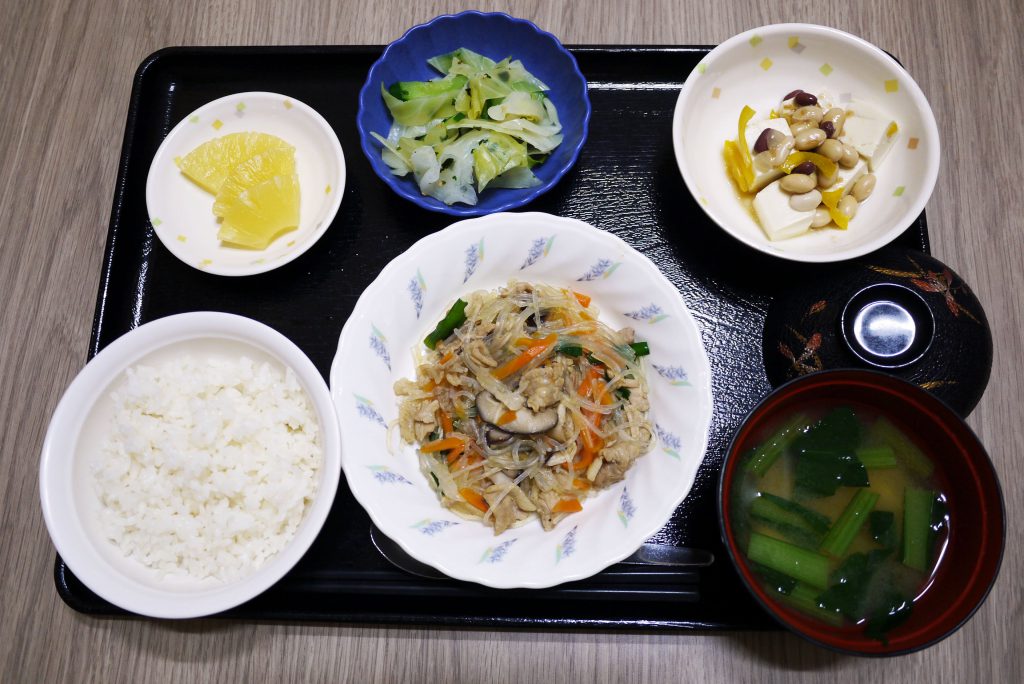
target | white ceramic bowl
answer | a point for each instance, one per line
(181, 212)
(757, 68)
(70, 503)
(405, 302)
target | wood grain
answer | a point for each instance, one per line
(65, 79)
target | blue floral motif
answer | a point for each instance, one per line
(378, 343)
(626, 508)
(602, 269)
(474, 255)
(365, 408)
(669, 442)
(676, 375)
(431, 527)
(497, 553)
(539, 248)
(385, 475)
(416, 287)
(567, 546)
(651, 313)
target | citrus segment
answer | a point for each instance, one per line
(209, 164)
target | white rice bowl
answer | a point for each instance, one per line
(169, 496)
(209, 465)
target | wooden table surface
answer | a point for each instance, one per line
(64, 88)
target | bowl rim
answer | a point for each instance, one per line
(981, 458)
(93, 383)
(526, 195)
(763, 245)
(334, 150)
(400, 261)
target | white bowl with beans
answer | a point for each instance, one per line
(758, 68)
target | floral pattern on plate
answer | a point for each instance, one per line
(424, 281)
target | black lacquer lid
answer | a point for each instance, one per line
(896, 310)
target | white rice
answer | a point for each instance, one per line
(209, 467)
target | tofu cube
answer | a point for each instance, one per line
(845, 178)
(752, 133)
(869, 132)
(779, 220)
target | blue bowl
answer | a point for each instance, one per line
(497, 36)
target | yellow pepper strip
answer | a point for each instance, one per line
(830, 198)
(738, 161)
(734, 165)
(826, 166)
(741, 141)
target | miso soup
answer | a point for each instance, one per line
(841, 516)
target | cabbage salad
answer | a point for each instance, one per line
(482, 124)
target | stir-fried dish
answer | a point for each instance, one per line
(524, 403)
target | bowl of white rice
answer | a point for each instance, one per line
(190, 465)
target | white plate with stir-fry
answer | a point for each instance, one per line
(524, 399)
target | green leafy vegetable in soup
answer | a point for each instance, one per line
(481, 124)
(841, 517)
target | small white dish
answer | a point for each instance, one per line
(406, 301)
(757, 68)
(70, 503)
(181, 212)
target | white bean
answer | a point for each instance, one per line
(863, 188)
(798, 183)
(833, 149)
(837, 117)
(847, 205)
(809, 139)
(849, 158)
(808, 201)
(810, 113)
(821, 218)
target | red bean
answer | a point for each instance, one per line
(829, 128)
(806, 167)
(792, 94)
(761, 144)
(805, 99)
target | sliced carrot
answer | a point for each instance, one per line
(592, 386)
(463, 461)
(590, 440)
(442, 444)
(455, 453)
(531, 352)
(524, 341)
(601, 394)
(584, 389)
(580, 483)
(447, 357)
(506, 418)
(583, 299)
(586, 456)
(474, 499)
(429, 387)
(567, 506)
(446, 421)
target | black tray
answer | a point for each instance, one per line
(626, 182)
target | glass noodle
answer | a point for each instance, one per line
(525, 405)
